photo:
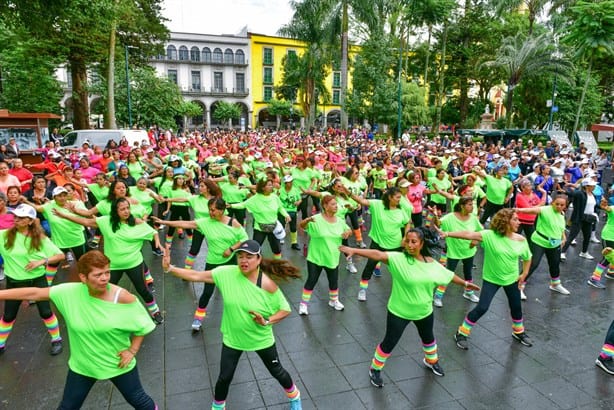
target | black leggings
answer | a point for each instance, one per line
(368, 270)
(395, 326)
(528, 230)
(489, 210)
(260, 236)
(489, 290)
(452, 263)
(197, 241)
(179, 213)
(228, 365)
(77, 388)
(238, 214)
(11, 307)
(574, 230)
(417, 219)
(553, 255)
(313, 272)
(353, 219)
(205, 297)
(135, 275)
(292, 223)
(78, 251)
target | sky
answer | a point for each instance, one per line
(226, 16)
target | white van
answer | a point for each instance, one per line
(101, 138)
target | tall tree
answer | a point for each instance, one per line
(592, 34)
(521, 57)
(533, 8)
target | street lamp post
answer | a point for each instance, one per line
(128, 90)
(553, 107)
(399, 110)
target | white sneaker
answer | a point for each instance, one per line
(471, 296)
(594, 238)
(437, 302)
(70, 258)
(351, 267)
(281, 241)
(574, 242)
(559, 288)
(362, 245)
(303, 310)
(335, 304)
(523, 296)
(2, 276)
(586, 255)
(362, 295)
(563, 256)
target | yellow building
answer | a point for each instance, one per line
(267, 53)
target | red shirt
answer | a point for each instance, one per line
(22, 174)
(527, 201)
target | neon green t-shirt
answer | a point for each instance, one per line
(99, 192)
(136, 169)
(497, 189)
(219, 237)
(165, 188)
(17, 257)
(233, 193)
(104, 208)
(386, 224)
(65, 233)
(123, 246)
(325, 240)
(289, 198)
(443, 184)
(459, 248)
(302, 177)
(180, 193)
(550, 223)
(413, 282)
(144, 198)
(200, 206)
(264, 208)
(501, 257)
(98, 329)
(607, 233)
(380, 177)
(239, 331)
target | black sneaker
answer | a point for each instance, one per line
(607, 365)
(157, 317)
(2, 349)
(157, 252)
(295, 247)
(56, 348)
(461, 341)
(151, 288)
(523, 339)
(376, 378)
(435, 367)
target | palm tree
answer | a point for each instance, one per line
(533, 7)
(521, 57)
(592, 34)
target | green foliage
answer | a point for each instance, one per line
(280, 107)
(414, 109)
(22, 67)
(570, 94)
(225, 111)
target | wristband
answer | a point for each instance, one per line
(133, 352)
(266, 322)
(46, 261)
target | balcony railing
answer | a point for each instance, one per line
(214, 91)
(245, 63)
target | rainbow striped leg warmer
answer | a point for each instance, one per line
(430, 352)
(53, 327)
(379, 358)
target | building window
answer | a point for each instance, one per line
(336, 94)
(218, 81)
(239, 57)
(336, 79)
(268, 75)
(183, 53)
(196, 80)
(267, 57)
(229, 57)
(172, 76)
(171, 53)
(268, 93)
(217, 56)
(206, 55)
(195, 54)
(240, 82)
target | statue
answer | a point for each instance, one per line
(487, 109)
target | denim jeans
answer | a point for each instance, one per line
(129, 385)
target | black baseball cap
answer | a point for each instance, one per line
(250, 246)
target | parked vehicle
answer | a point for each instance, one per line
(101, 138)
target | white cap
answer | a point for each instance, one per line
(24, 211)
(59, 190)
(588, 182)
(288, 178)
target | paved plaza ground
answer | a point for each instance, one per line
(328, 352)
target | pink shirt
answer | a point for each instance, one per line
(414, 195)
(9, 181)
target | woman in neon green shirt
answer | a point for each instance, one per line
(290, 197)
(326, 231)
(123, 239)
(502, 249)
(388, 222)
(252, 303)
(414, 275)
(223, 233)
(264, 207)
(499, 190)
(26, 252)
(106, 325)
(177, 207)
(235, 189)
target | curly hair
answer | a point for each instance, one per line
(501, 221)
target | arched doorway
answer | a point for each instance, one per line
(198, 121)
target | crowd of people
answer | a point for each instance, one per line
(419, 206)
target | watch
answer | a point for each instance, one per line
(266, 322)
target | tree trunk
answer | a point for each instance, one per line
(278, 118)
(344, 66)
(78, 72)
(109, 118)
(426, 64)
(441, 78)
(579, 112)
(508, 105)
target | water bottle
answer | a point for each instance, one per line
(305, 250)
